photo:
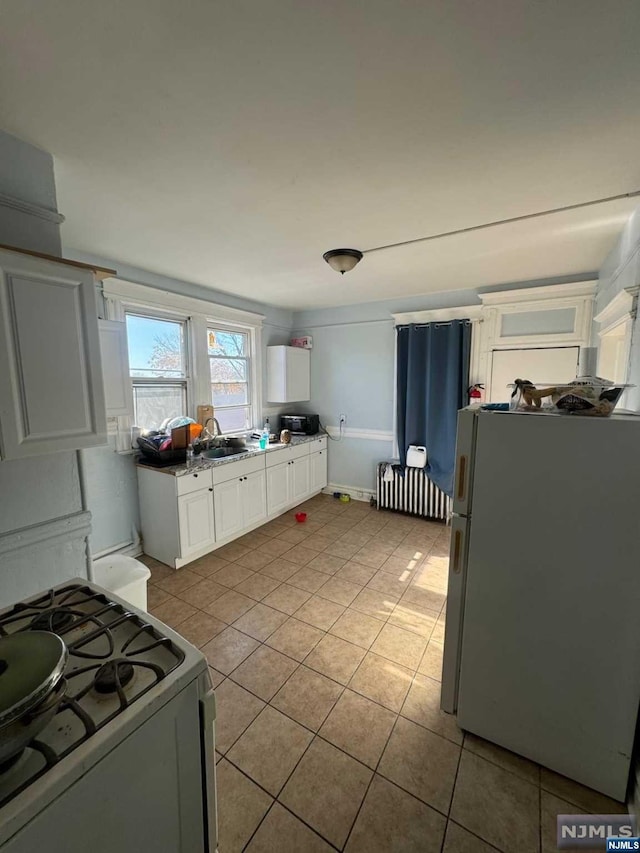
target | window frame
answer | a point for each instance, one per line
(122, 297)
(249, 373)
(182, 382)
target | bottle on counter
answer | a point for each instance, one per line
(190, 455)
(264, 438)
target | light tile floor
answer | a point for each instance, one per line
(324, 641)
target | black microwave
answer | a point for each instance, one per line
(300, 424)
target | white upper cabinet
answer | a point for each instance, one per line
(288, 374)
(115, 368)
(51, 386)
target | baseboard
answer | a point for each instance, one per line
(354, 492)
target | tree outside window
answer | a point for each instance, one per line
(230, 378)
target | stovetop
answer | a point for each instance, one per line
(115, 657)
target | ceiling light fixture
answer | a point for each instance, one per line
(343, 260)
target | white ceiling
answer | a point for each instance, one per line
(231, 142)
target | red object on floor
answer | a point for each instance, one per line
(300, 517)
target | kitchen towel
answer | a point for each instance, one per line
(416, 456)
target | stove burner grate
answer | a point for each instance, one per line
(55, 620)
(57, 611)
(110, 646)
(110, 676)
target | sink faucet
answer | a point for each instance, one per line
(216, 426)
(209, 435)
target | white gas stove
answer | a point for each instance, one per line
(128, 757)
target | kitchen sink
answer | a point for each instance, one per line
(223, 452)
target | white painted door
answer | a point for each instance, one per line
(227, 502)
(299, 475)
(278, 488)
(195, 520)
(542, 366)
(318, 470)
(51, 389)
(254, 498)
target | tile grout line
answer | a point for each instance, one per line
(375, 771)
(325, 632)
(453, 791)
(297, 817)
(475, 835)
(274, 801)
(539, 811)
(373, 776)
(316, 734)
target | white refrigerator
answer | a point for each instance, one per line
(542, 642)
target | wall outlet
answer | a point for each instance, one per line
(342, 419)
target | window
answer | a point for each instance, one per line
(184, 352)
(158, 368)
(230, 372)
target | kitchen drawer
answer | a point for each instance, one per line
(286, 454)
(317, 444)
(226, 472)
(188, 483)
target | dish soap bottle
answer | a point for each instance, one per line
(264, 438)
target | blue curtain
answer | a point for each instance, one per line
(432, 384)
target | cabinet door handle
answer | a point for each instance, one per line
(195, 475)
(210, 488)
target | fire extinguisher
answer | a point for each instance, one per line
(475, 393)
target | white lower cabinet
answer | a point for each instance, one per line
(317, 471)
(186, 517)
(299, 479)
(278, 488)
(239, 503)
(195, 522)
(288, 484)
(254, 498)
(227, 500)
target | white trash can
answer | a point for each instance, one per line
(125, 576)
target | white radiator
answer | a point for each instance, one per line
(413, 492)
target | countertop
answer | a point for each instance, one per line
(252, 447)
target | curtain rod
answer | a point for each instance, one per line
(468, 322)
(505, 221)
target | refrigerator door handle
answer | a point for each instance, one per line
(457, 549)
(462, 477)
(455, 614)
